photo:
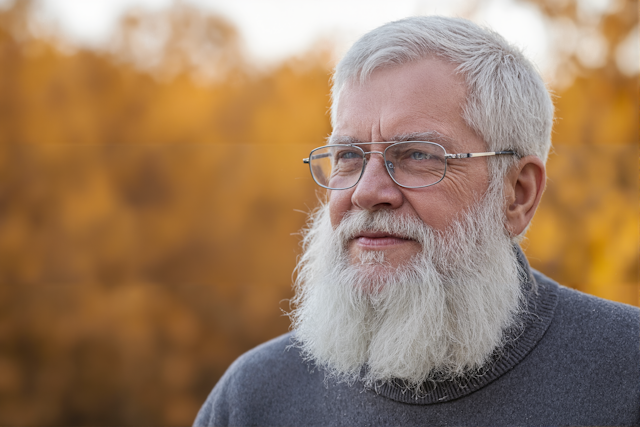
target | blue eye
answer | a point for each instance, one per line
(419, 155)
(348, 155)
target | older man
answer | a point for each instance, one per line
(414, 304)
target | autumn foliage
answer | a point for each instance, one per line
(150, 196)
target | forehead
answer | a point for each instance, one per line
(421, 100)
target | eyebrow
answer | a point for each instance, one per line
(430, 135)
(342, 139)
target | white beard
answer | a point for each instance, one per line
(440, 315)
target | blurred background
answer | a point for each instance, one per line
(151, 182)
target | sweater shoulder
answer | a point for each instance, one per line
(585, 300)
(585, 305)
(595, 320)
(249, 380)
(271, 354)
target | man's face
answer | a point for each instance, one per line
(399, 103)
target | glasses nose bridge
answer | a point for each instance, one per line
(367, 157)
(373, 152)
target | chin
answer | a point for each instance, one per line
(375, 270)
(379, 261)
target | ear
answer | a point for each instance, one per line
(523, 189)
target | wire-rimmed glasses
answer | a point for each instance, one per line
(411, 164)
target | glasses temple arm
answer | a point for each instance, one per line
(316, 156)
(485, 154)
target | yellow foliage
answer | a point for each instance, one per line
(148, 211)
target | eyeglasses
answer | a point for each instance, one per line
(411, 164)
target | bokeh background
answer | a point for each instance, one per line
(151, 187)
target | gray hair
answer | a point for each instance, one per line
(508, 104)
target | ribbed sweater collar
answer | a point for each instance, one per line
(541, 299)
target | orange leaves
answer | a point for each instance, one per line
(146, 215)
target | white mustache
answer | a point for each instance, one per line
(355, 223)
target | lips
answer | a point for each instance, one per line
(379, 239)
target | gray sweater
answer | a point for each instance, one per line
(577, 362)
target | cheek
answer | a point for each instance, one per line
(436, 206)
(431, 212)
(339, 205)
(440, 205)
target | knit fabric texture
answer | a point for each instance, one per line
(575, 361)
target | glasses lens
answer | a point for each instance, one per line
(416, 164)
(336, 166)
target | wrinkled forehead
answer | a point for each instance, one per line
(420, 101)
(342, 84)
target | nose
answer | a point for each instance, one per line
(376, 190)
